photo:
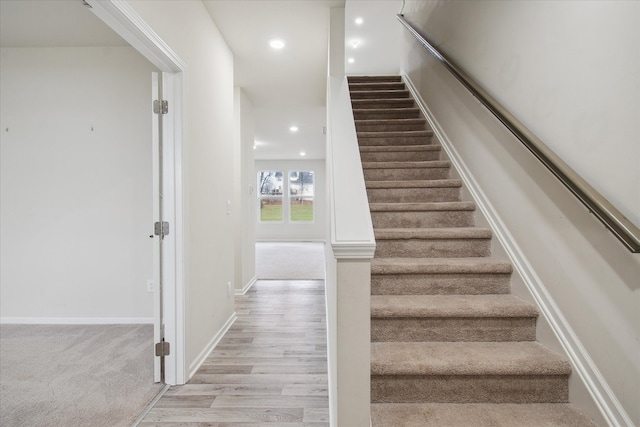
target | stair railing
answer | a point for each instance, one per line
(595, 202)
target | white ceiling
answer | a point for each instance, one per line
(52, 23)
(286, 87)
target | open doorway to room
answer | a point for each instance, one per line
(290, 219)
(77, 216)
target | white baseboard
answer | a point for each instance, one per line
(311, 240)
(76, 320)
(193, 368)
(247, 286)
(583, 365)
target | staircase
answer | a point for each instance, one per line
(450, 345)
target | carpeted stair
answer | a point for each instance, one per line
(450, 345)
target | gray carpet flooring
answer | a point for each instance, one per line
(290, 261)
(75, 375)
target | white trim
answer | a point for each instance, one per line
(320, 240)
(247, 286)
(76, 320)
(124, 20)
(212, 344)
(354, 250)
(351, 227)
(176, 97)
(583, 365)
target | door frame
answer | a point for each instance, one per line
(124, 21)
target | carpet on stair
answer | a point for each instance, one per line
(450, 344)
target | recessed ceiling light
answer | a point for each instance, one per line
(355, 43)
(293, 128)
(276, 44)
(351, 60)
(302, 153)
(359, 21)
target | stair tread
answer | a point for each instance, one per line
(391, 121)
(394, 133)
(365, 101)
(398, 148)
(439, 265)
(460, 306)
(407, 164)
(422, 207)
(356, 79)
(417, 183)
(433, 233)
(381, 91)
(360, 86)
(478, 415)
(384, 110)
(465, 358)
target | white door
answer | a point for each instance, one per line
(158, 234)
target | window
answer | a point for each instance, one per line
(298, 189)
(270, 185)
(301, 192)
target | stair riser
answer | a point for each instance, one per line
(400, 156)
(453, 329)
(369, 79)
(379, 94)
(406, 174)
(425, 219)
(411, 195)
(395, 140)
(376, 86)
(368, 104)
(436, 248)
(477, 415)
(400, 113)
(440, 284)
(390, 127)
(467, 389)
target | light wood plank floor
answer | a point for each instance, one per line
(270, 369)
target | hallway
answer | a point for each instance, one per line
(270, 367)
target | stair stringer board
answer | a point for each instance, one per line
(527, 284)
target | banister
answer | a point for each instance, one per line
(627, 232)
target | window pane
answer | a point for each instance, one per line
(301, 183)
(302, 209)
(301, 191)
(270, 188)
(271, 209)
(270, 183)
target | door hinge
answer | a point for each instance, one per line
(161, 228)
(163, 349)
(160, 106)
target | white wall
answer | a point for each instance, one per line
(76, 184)
(570, 71)
(587, 280)
(208, 137)
(286, 230)
(376, 40)
(245, 203)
